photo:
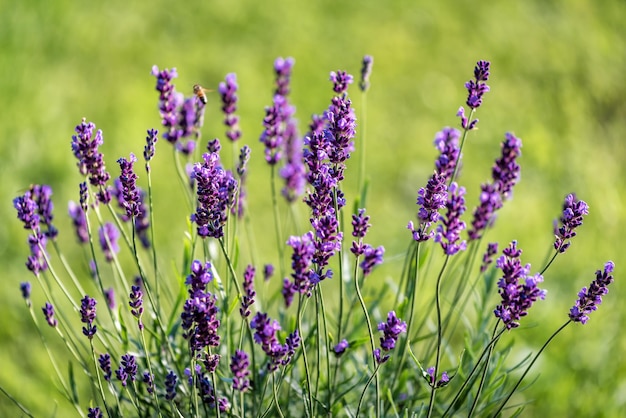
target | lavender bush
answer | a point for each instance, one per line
(324, 337)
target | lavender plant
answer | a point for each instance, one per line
(324, 337)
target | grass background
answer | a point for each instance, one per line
(557, 82)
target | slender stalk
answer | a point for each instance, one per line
(439, 334)
(543, 347)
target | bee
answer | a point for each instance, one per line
(200, 93)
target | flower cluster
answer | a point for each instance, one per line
(517, 297)
(475, 90)
(239, 364)
(449, 230)
(136, 304)
(48, 311)
(216, 189)
(228, 93)
(181, 117)
(199, 317)
(572, 218)
(28, 213)
(265, 330)
(391, 332)
(127, 370)
(249, 293)
(88, 316)
(109, 235)
(85, 146)
(430, 199)
(505, 174)
(590, 298)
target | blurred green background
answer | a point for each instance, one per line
(557, 82)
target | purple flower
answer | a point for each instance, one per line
(391, 330)
(239, 364)
(371, 258)
(283, 68)
(27, 211)
(136, 304)
(288, 291)
(265, 330)
(228, 93)
(517, 298)
(447, 143)
(268, 271)
(88, 316)
(448, 232)
(211, 361)
(477, 88)
(127, 370)
(380, 359)
(200, 276)
(128, 182)
(79, 220)
(572, 218)
(148, 150)
(366, 72)
(105, 364)
(25, 287)
(41, 195)
(274, 122)
(199, 317)
(492, 249)
(48, 311)
(506, 170)
(341, 347)
(360, 225)
(182, 118)
(242, 172)
(505, 174)
(109, 235)
(301, 262)
(248, 290)
(430, 377)
(36, 261)
(590, 298)
(148, 379)
(90, 161)
(292, 342)
(430, 199)
(94, 412)
(216, 189)
(294, 171)
(341, 80)
(171, 382)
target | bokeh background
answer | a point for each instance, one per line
(557, 82)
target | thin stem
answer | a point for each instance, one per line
(372, 343)
(439, 335)
(543, 347)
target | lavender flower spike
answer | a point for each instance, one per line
(88, 316)
(517, 298)
(448, 232)
(90, 160)
(572, 218)
(239, 367)
(128, 180)
(590, 298)
(366, 71)
(109, 235)
(48, 311)
(228, 93)
(136, 304)
(171, 382)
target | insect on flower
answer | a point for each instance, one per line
(200, 93)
